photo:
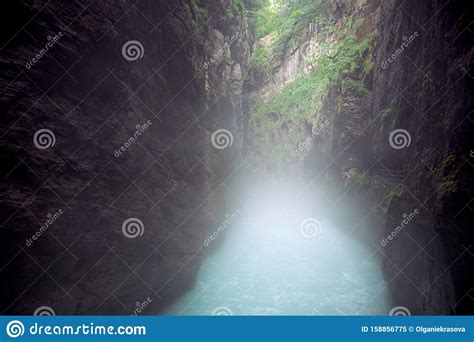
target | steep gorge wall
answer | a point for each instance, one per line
(415, 74)
(187, 84)
(427, 92)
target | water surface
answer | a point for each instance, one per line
(267, 263)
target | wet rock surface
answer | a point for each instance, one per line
(427, 88)
(113, 69)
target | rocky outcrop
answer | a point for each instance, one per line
(111, 180)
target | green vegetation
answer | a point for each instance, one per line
(340, 59)
(449, 184)
(377, 188)
(303, 97)
(355, 177)
(260, 59)
(238, 6)
(391, 196)
(195, 13)
(448, 159)
(368, 64)
(278, 154)
(357, 86)
(284, 19)
(385, 114)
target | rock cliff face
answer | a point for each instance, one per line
(392, 128)
(110, 177)
(427, 91)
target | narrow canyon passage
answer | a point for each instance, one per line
(236, 157)
(283, 255)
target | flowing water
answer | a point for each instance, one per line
(277, 261)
